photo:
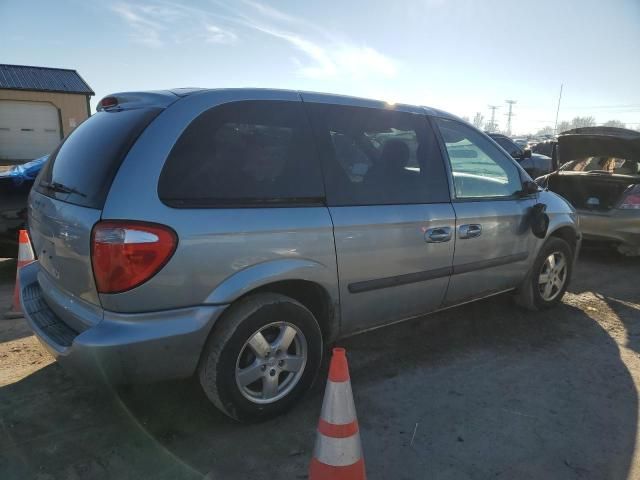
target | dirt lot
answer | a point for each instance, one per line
(490, 391)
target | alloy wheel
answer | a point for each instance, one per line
(271, 362)
(553, 276)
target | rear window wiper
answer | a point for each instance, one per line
(60, 188)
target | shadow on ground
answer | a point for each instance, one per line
(490, 391)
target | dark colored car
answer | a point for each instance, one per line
(599, 175)
(544, 148)
(533, 163)
(15, 184)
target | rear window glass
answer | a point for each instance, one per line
(511, 148)
(82, 168)
(244, 153)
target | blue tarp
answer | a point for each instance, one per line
(27, 171)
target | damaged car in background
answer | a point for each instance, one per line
(599, 175)
(15, 185)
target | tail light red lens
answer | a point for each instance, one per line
(107, 102)
(127, 254)
(631, 199)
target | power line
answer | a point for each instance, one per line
(627, 105)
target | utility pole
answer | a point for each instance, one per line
(493, 108)
(555, 129)
(509, 115)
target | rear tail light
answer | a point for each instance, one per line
(631, 198)
(125, 254)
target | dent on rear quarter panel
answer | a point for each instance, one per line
(214, 245)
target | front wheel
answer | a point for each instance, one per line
(261, 357)
(549, 278)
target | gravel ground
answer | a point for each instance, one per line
(477, 392)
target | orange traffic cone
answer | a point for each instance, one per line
(338, 453)
(25, 256)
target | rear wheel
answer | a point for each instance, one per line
(549, 278)
(261, 357)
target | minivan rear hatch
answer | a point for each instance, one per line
(70, 192)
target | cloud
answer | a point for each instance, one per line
(322, 63)
(319, 53)
(157, 23)
(271, 12)
(215, 34)
(144, 30)
(326, 56)
(360, 59)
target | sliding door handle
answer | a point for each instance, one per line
(471, 230)
(437, 235)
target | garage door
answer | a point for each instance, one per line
(27, 129)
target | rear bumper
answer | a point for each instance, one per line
(121, 348)
(617, 226)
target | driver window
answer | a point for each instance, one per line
(479, 169)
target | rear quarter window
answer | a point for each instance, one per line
(82, 168)
(247, 153)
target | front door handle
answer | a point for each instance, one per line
(471, 230)
(437, 235)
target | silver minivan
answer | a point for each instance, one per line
(234, 233)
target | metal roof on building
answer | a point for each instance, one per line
(22, 77)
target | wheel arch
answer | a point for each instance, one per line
(311, 295)
(568, 234)
(306, 281)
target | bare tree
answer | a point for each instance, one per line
(545, 131)
(564, 126)
(478, 120)
(490, 126)
(579, 122)
(576, 122)
(466, 119)
(615, 123)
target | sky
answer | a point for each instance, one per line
(456, 55)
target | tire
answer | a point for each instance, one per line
(532, 295)
(230, 357)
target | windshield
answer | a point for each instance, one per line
(612, 165)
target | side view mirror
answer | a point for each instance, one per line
(526, 153)
(529, 188)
